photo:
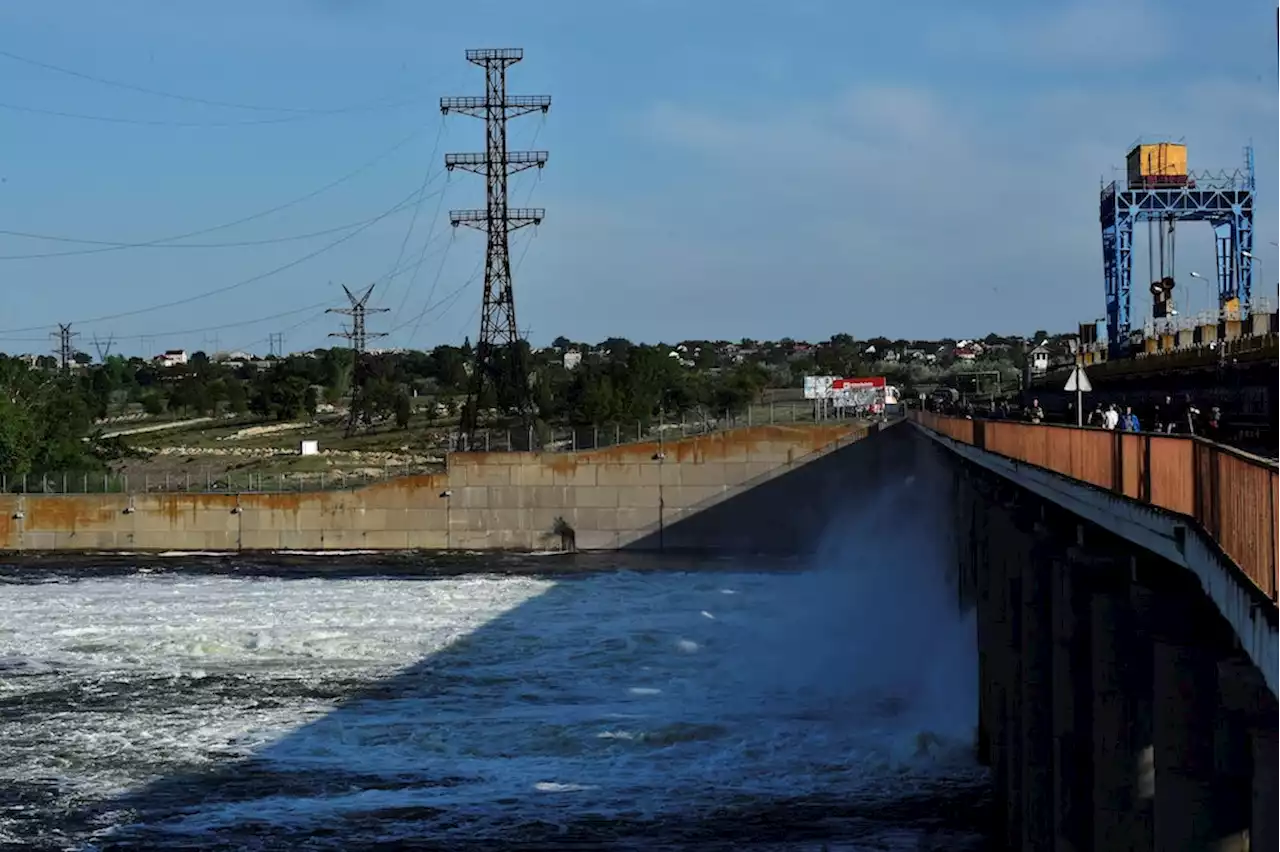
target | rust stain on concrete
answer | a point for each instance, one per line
(703, 448)
(58, 513)
(172, 505)
(696, 448)
(411, 483)
(7, 508)
(67, 513)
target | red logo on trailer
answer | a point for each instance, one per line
(851, 385)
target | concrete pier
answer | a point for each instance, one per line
(1116, 711)
(1186, 695)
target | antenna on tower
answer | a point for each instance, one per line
(66, 352)
(359, 336)
(499, 356)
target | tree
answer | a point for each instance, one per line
(404, 410)
(311, 401)
(237, 398)
(152, 404)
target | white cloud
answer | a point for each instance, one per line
(902, 211)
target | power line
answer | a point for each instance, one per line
(498, 358)
(49, 66)
(307, 321)
(449, 298)
(417, 267)
(152, 335)
(147, 122)
(413, 220)
(214, 245)
(239, 284)
(364, 167)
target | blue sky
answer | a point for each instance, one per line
(717, 169)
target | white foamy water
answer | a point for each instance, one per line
(194, 709)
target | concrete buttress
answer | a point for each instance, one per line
(1037, 699)
(1186, 695)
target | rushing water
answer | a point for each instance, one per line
(623, 709)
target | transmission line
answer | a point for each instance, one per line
(413, 220)
(364, 167)
(239, 284)
(214, 245)
(169, 333)
(130, 87)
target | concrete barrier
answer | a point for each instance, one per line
(636, 495)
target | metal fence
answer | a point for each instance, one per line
(593, 437)
(1230, 494)
(284, 471)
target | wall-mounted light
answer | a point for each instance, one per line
(128, 510)
(446, 493)
(235, 510)
(19, 515)
(659, 456)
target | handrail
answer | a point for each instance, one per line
(1230, 494)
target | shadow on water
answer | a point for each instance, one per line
(383, 762)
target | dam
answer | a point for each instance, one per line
(606, 700)
(939, 633)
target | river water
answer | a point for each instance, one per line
(700, 706)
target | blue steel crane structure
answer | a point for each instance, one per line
(1224, 199)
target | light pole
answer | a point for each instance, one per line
(1253, 264)
(1207, 286)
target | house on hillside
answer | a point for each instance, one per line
(172, 358)
(1039, 359)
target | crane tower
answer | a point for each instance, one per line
(1159, 189)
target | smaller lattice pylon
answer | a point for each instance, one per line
(358, 334)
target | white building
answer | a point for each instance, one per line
(1039, 359)
(172, 358)
(572, 359)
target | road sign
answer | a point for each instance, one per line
(1079, 381)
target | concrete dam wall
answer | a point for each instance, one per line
(762, 488)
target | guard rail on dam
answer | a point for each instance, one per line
(1125, 595)
(720, 491)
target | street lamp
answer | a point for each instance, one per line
(1253, 261)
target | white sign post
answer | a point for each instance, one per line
(1079, 382)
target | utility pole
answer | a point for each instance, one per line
(358, 335)
(499, 361)
(104, 348)
(275, 341)
(65, 352)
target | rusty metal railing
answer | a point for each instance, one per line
(1231, 495)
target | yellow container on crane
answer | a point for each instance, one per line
(1157, 164)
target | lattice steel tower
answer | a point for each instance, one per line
(499, 361)
(359, 336)
(66, 352)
